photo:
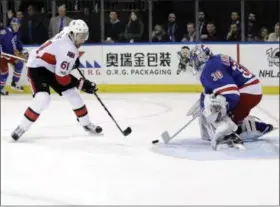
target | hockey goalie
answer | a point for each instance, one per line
(230, 92)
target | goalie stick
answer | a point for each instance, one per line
(125, 132)
(165, 135)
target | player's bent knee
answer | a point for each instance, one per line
(41, 101)
(73, 96)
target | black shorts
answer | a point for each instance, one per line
(41, 79)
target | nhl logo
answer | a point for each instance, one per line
(273, 57)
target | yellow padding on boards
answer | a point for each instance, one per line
(153, 88)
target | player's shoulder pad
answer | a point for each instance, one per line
(68, 52)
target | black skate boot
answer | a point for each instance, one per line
(234, 141)
(16, 86)
(92, 129)
(17, 133)
(3, 92)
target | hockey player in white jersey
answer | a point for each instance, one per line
(50, 66)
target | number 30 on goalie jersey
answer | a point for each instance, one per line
(224, 76)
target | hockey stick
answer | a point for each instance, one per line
(195, 109)
(125, 132)
(165, 135)
(3, 54)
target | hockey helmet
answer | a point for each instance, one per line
(199, 55)
(79, 31)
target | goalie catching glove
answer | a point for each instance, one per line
(87, 86)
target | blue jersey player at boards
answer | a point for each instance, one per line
(230, 92)
(10, 44)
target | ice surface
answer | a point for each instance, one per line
(56, 162)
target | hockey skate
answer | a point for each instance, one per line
(17, 133)
(16, 86)
(230, 141)
(3, 92)
(92, 129)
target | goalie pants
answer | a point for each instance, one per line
(246, 103)
(41, 80)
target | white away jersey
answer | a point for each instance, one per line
(58, 55)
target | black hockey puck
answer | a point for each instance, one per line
(155, 141)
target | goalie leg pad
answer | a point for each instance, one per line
(224, 128)
(253, 128)
(206, 130)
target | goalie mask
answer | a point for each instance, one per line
(199, 55)
(79, 31)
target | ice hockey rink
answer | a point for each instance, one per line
(57, 162)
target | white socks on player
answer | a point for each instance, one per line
(39, 103)
(73, 96)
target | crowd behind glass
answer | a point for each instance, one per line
(170, 24)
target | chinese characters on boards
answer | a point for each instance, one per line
(139, 63)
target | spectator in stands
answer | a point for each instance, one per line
(275, 36)
(235, 18)
(19, 15)
(252, 28)
(234, 33)
(172, 28)
(263, 35)
(202, 25)
(59, 22)
(10, 15)
(211, 35)
(134, 29)
(114, 29)
(33, 30)
(159, 34)
(88, 18)
(190, 35)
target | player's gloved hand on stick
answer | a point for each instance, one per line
(87, 86)
(25, 54)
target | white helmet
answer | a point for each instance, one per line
(79, 30)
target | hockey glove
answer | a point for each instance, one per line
(87, 86)
(25, 54)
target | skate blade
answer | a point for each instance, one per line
(16, 89)
(221, 147)
(239, 146)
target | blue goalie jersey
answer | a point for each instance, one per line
(224, 76)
